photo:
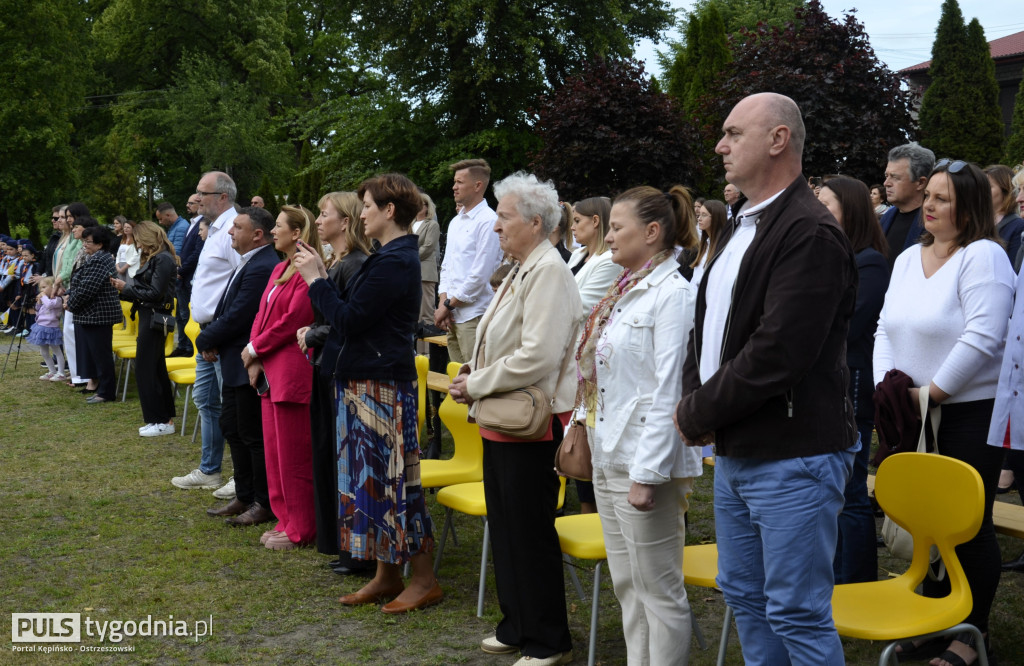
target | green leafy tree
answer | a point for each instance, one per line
(986, 130)
(43, 86)
(269, 198)
(471, 68)
(960, 114)
(700, 62)
(853, 108)
(608, 129)
(740, 14)
(1015, 144)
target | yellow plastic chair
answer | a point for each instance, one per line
(422, 367)
(187, 375)
(468, 498)
(700, 568)
(940, 501)
(128, 350)
(580, 537)
(467, 463)
(125, 332)
(179, 362)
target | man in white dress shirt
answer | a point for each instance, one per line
(472, 254)
(216, 191)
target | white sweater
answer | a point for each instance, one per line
(948, 329)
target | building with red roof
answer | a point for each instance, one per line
(1008, 53)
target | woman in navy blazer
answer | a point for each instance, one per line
(273, 350)
(383, 515)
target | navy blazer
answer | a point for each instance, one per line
(189, 257)
(228, 333)
(375, 325)
(913, 233)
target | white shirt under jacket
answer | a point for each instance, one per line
(639, 379)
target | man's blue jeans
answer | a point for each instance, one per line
(206, 397)
(777, 523)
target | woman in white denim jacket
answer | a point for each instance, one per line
(630, 364)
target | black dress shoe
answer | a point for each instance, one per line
(1015, 565)
(336, 562)
(355, 570)
(87, 391)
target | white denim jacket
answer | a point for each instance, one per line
(639, 379)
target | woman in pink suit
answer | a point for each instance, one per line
(272, 351)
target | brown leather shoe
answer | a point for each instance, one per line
(359, 598)
(255, 515)
(433, 596)
(232, 508)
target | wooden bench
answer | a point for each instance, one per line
(1008, 518)
(438, 381)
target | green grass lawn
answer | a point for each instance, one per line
(93, 526)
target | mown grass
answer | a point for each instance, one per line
(94, 526)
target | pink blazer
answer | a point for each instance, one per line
(273, 337)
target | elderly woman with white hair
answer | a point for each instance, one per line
(525, 339)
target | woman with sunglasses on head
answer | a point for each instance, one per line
(944, 323)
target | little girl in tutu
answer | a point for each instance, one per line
(46, 332)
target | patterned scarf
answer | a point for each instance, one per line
(587, 352)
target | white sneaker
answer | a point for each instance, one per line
(47, 377)
(58, 377)
(227, 491)
(196, 480)
(491, 645)
(158, 429)
(146, 427)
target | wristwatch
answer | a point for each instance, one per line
(448, 303)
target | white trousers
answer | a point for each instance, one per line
(645, 558)
(69, 349)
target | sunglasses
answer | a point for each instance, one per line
(953, 166)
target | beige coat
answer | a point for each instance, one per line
(427, 238)
(527, 338)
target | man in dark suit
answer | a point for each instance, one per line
(225, 337)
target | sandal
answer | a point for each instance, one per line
(926, 650)
(967, 639)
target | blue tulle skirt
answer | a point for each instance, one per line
(45, 335)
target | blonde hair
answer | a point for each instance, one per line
(301, 220)
(151, 238)
(349, 205)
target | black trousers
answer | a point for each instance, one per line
(96, 357)
(241, 422)
(181, 315)
(521, 490)
(155, 394)
(962, 435)
(324, 431)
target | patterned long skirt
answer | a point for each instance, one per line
(382, 512)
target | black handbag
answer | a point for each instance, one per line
(163, 322)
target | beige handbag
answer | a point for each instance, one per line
(898, 540)
(523, 413)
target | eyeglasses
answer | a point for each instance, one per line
(203, 194)
(953, 166)
(54, 218)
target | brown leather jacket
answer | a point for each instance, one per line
(783, 387)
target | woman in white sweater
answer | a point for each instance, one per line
(594, 270)
(630, 361)
(592, 263)
(944, 323)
